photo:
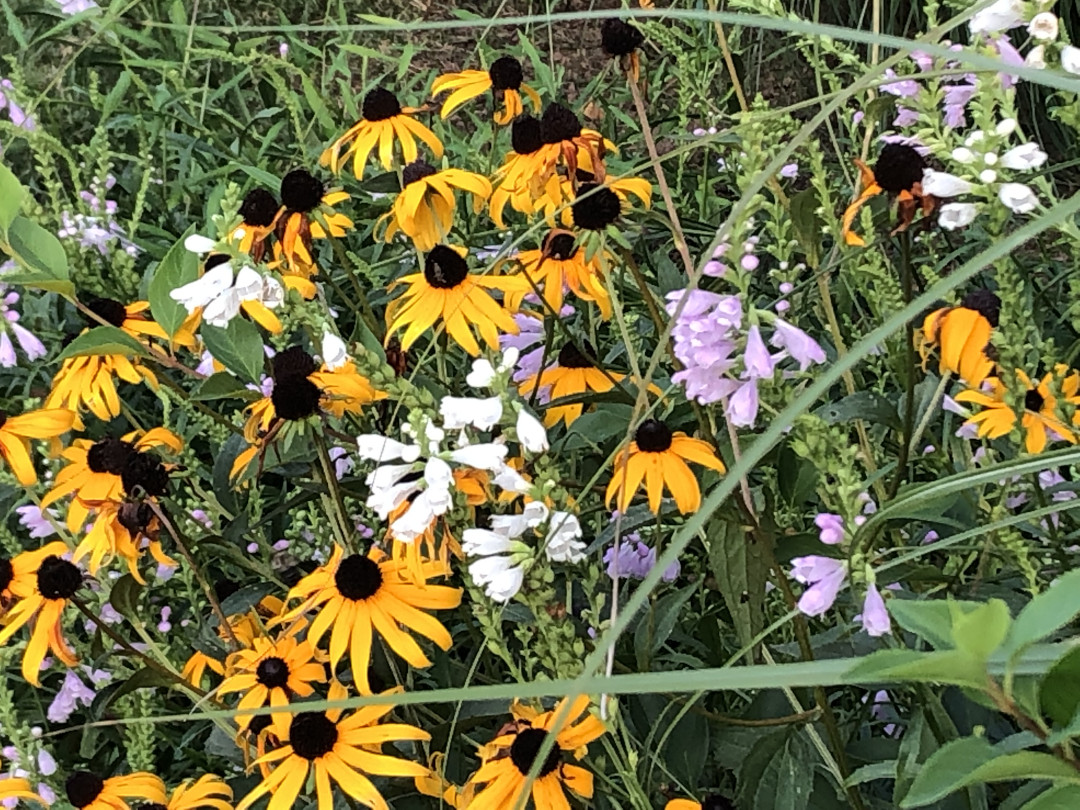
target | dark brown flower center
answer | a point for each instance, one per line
(358, 577)
(653, 436)
(985, 303)
(716, 802)
(295, 398)
(596, 207)
(258, 723)
(572, 357)
(301, 191)
(899, 168)
(135, 516)
(215, 260)
(144, 471)
(619, 38)
(108, 456)
(82, 787)
(506, 74)
(272, 672)
(1034, 401)
(525, 135)
(312, 735)
(57, 578)
(444, 268)
(417, 170)
(380, 104)
(3, 418)
(559, 124)
(109, 310)
(560, 245)
(525, 748)
(259, 208)
(293, 362)
(7, 573)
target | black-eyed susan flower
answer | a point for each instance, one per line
(93, 471)
(899, 172)
(208, 791)
(658, 457)
(599, 205)
(424, 209)
(17, 431)
(246, 627)
(121, 529)
(575, 373)
(86, 383)
(271, 673)
(505, 79)
(88, 791)
(342, 750)
(512, 754)
(1040, 417)
(359, 595)
(384, 122)
(446, 291)
(259, 213)
(962, 335)
(43, 583)
(621, 40)
(308, 208)
(561, 265)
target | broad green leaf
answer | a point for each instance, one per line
(866, 405)
(246, 598)
(777, 774)
(740, 572)
(1063, 797)
(239, 347)
(949, 666)
(929, 619)
(1046, 613)
(979, 632)
(868, 773)
(102, 340)
(12, 194)
(124, 596)
(657, 623)
(40, 252)
(972, 761)
(807, 224)
(264, 178)
(223, 385)
(1059, 696)
(179, 267)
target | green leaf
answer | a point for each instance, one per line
(101, 340)
(1058, 695)
(124, 596)
(41, 253)
(179, 267)
(12, 194)
(980, 631)
(1063, 797)
(239, 347)
(145, 678)
(736, 562)
(116, 95)
(264, 178)
(777, 773)
(868, 773)
(223, 385)
(929, 619)
(807, 223)
(972, 761)
(246, 598)
(949, 666)
(658, 622)
(1047, 613)
(866, 405)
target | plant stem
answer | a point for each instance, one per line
(907, 281)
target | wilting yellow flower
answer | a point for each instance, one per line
(561, 264)
(424, 209)
(504, 78)
(17, 431)
(898, 171)
(385, 121)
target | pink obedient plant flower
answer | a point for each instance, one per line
(875, 618)
(824, 575)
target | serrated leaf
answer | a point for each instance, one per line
(179, 267)
(740, 572)
(980, 631)
(1063, 797)
(239, 347)
(866, 405)
(102, 340)
(12, 194)
(949, 666)
(1044, 615)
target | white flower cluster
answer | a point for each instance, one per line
(1043, 26)
(503, 556)
(982, 164)
(221, 291)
